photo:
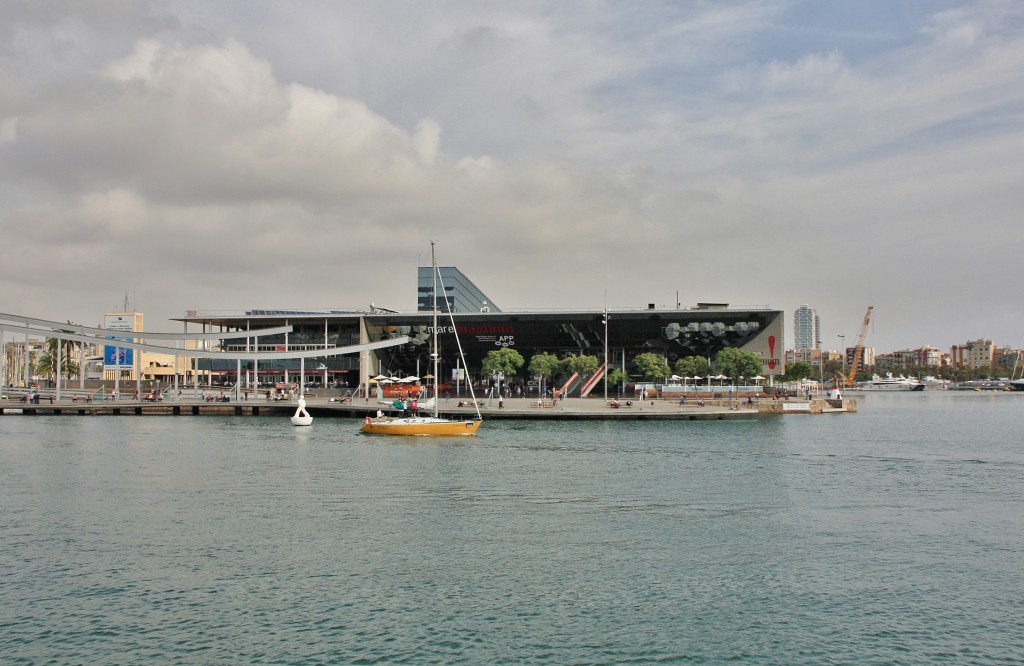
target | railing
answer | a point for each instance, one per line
(589, 385)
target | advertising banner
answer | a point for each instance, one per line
(118, 357)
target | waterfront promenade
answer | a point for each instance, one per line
(513, 408)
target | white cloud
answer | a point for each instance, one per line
(555, 153)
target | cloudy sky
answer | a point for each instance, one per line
(253, 154)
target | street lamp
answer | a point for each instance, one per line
(842, 348)
(606, 354)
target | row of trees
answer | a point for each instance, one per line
(651, 367)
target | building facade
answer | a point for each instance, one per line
(674, 334)
(459, 291)
(806, 328)
(975, 354)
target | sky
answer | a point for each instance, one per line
(220, 157)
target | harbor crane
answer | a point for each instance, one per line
(858, 350)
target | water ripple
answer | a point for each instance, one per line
(805, 540)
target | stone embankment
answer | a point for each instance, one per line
(511, 408)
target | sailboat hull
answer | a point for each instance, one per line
(419, 426)
(427, 426)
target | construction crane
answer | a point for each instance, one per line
(858, 350)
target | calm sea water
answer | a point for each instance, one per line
(892, 536)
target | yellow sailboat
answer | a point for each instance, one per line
(432, 425)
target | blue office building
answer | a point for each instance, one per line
(462, 294)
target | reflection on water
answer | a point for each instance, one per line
(892, 535)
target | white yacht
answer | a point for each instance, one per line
(890, 383)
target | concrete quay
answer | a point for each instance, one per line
(578, 409)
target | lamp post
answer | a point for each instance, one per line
(842, 348)
(606, 354)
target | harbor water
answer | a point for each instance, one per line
(891, 536)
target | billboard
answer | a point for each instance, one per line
(118, 357)
(768, 345)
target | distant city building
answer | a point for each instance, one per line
(867, 359)
(806, 328)
(813, 356)
(975, 354)
(459, 290)
(803, 355)
(1007, 360)
(19, 358)
(922, 357)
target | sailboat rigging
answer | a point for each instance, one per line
(428, 425)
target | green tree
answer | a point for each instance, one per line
(651, 366)
(617, 377)
(834, 368)
(692, 366)
(505, 360)
(800, 370)
(736, 363)
(46, 364)
(585, 365)
(544, 365)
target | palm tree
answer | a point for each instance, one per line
(47, 363)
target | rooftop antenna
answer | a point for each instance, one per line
(125, 302)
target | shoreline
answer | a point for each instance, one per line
(513, 408)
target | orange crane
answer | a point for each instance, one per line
(858, 350)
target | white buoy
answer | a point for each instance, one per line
(301, 416)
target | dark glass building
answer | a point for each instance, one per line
(673, 333)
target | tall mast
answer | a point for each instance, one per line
(433, 308)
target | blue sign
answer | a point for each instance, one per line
(118, 356)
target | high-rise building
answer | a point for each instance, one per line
(806, 328)
(462, 294)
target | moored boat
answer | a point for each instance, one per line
(890, 383)
(419, 426)
(433, 425)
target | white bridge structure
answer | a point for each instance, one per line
(30, 326)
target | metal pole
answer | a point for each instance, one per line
(606, 349)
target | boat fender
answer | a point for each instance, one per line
(366, 421)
